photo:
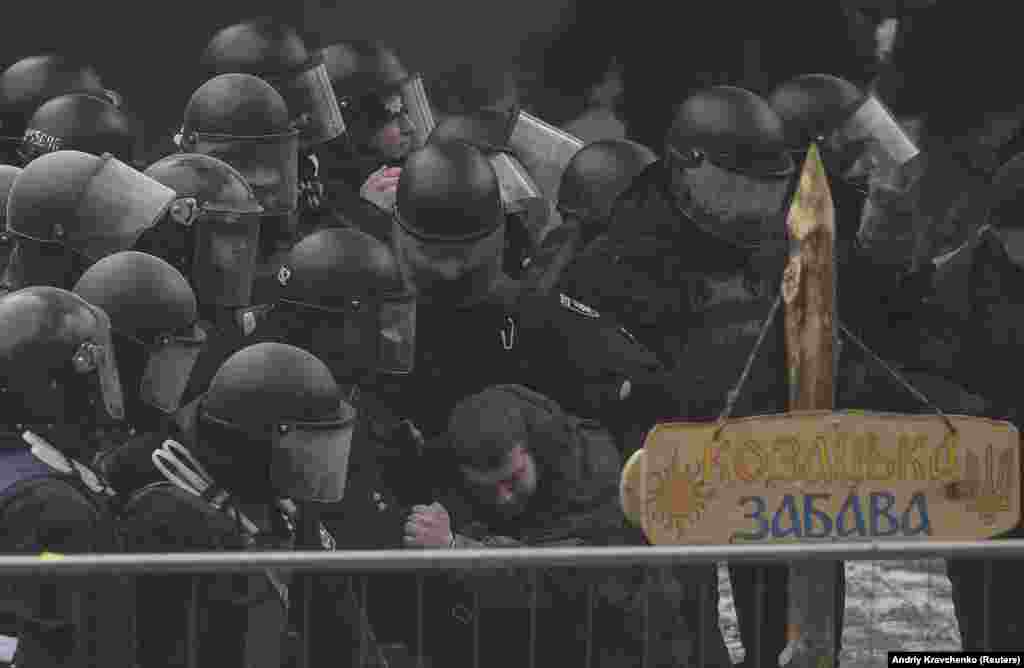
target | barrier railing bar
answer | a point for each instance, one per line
(444, 560)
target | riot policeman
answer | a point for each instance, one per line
(387, 115)
(242, 120)
(79, 122)
(342, 297)
(68, 209)
(276, 53)
(153, 316)
(7, 175)
(59, 386)
(268, 442)
(30, 82)
(470, 333)
(691, 263)
(591, 183)
(211, 233)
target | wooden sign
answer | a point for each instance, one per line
(825, 476)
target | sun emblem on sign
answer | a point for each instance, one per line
(676, 495)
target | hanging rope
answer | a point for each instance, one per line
(733, 395)
(917, 394)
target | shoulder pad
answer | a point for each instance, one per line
(577, 306)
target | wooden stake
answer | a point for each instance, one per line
(809, 293)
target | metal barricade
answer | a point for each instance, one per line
(890, 605)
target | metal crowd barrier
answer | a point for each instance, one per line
(426, 562)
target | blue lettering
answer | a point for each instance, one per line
(810, 512)
(878, 511)
(789, 508)
(850, 506)
(920, 503)
(761, 522)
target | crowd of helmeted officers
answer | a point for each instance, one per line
(334, 318)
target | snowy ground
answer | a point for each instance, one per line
(890, 605)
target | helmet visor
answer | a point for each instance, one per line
(169, 367)
(311, 99)
(224, 263)
(310, 459)
(544, 150)
(417, 106)
(872, 139)
(98, 357)
(270, 164)
(117, 205)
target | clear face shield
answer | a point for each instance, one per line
(521, 195)
(417, 106)
(376, 334)
(309, 460)
(120, 202)
(169, 363)
(97, 358)
(311, 99)
(226, 248)
(891, 209)
(270, 164)
(544, 150)
(871, 141)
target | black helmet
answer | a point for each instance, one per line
(273, 422)
(30, 82)
(349, 285)
(276, 53)
(153, 310)
(82, 205)
(242, 120)
(56, 361)
(448, 192)
(597, 175)
(812, 106)
(363, 68)
(851, 126)
(215, 208)
(732, 128)
(79, 122)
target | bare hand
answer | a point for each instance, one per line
(428, 527)
(381, 187)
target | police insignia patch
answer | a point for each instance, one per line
(578, 307)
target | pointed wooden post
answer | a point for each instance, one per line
(809, 293)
